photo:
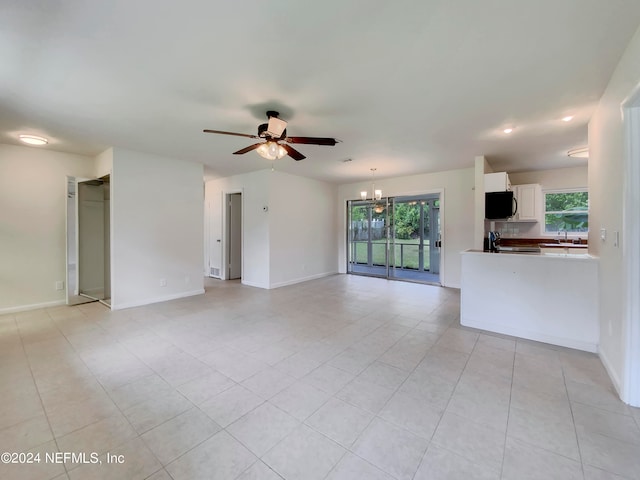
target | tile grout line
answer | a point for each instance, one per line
(506, 430)
(573, 419)
(138, 434)
(444, 410)
(44, 410)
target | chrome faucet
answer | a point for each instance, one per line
(565, 235)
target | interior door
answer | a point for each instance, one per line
(90, 228)
(72, 288)
(234, 214)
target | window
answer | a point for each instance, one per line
(566, 211)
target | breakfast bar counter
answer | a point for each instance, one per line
(550, 297)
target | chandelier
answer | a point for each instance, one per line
(376, 195)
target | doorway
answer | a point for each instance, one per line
(88, 240)
(397, 238)
(234, 236)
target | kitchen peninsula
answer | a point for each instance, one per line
(550, 297)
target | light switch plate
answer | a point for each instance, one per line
(603, 234)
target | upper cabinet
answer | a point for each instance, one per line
(496, 182)
(529, 199)
(529, 196)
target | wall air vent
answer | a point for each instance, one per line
(215, 272)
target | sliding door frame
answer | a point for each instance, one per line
(389, 202)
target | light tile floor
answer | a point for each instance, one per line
(344, 377)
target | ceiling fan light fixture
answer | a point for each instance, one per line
(271, 150)
(276, 127)
(579, 152)
(33, 139)
(274, 132)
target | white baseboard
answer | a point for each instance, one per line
(302, 279)
(34, 306)
(253, 284)
(615, 379)
(149, 301)
(529, 335)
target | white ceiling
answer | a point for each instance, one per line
(408, 86)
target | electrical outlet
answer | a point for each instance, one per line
(59, 285)
(163, 282)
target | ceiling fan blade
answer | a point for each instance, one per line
(248, 149)
(231, 133)
(293, 153)
(313, 140)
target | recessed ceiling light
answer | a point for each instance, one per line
(580, 152)
(568, 118)
(508, 130)
(33, 139)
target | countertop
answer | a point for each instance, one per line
(569, 256)
(563, 245)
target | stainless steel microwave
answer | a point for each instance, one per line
(499, 205)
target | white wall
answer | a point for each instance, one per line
(606, 183)
(104, 163)
(255, 224)
(157, 228)
(457, 215)
(481, 168)
(293, 241)
(302, 229)
(33, 203)
(557, 178)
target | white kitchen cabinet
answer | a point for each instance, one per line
(496, 182)
(529, 199)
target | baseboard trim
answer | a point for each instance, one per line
(529, 335)
(617, 384)
(34, 306)
(302, 279)
(254, 285)
(149, 301)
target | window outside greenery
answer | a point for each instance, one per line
(566, 212)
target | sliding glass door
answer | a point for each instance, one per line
(416, 237)
(368, 238)
(397, 238)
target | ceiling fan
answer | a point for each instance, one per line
(275, 135)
